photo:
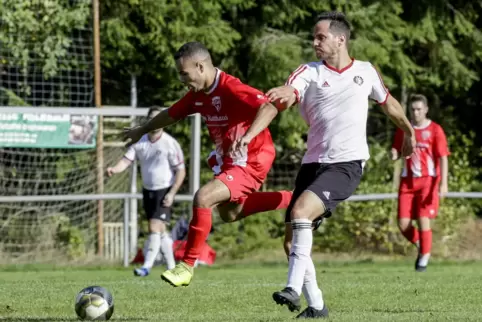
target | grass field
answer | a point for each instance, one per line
(363, 291)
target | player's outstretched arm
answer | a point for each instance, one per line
(123, 164)
(283, 96)
(160, 121)
(394, 111)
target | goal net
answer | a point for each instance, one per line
(48, 185)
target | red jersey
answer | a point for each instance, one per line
(229, 109)
(431, 146)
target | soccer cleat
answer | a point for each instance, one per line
(416, 261)
(181, 275)
(288, 297)
(141, 271)
(312, 313)
(419, 268)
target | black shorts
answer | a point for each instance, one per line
(152, 201)
(331, 182)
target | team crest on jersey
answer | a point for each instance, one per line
(216, 101)
(425, 135)
(358, 80)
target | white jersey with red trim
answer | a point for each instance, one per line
(159, 160)
(334, 104)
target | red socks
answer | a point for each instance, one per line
(411, 234)
(425, 242)
(199, 229)
(201, 221)
(425, 238)
(266, 201)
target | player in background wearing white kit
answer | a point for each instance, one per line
(333, 96)
(163, 171)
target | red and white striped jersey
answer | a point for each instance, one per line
(431, 146)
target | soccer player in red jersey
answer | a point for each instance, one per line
(423, 179)
(228, 108)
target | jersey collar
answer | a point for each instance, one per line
(339, 71)
(424, 126)
(216, 82)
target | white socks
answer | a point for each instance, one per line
(311, 291)
(302, 274)
(423, 261)
(158, 243)
(151, 249)
(167, 251)
(300, 253)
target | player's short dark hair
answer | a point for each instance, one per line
(419, 98)
(339, 24)
(191, 49)
(154, 108)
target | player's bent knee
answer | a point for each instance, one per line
(228, 217)
(404, 224)
(424, 223)
(203, 198)
(230, 212)
(157, 226)
(299, 213)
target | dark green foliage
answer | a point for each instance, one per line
(430, 47)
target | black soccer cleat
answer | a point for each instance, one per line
(419, 268)
(288, 297)
(312, 313)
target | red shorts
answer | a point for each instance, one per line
(241, 180)
(418, 197)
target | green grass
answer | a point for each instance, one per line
(385, 291)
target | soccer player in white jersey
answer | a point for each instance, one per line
(333, 97)
(163, 172)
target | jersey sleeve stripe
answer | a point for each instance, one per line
(125, 157)
(297, 96)
(385, 100)
(295, 74)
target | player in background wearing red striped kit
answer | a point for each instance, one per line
(423, 179)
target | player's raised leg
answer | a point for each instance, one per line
(207, 197)
(254, 203)
(244, 201)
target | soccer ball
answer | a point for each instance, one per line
(94, 303)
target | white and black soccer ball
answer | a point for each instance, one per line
(94, 303)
